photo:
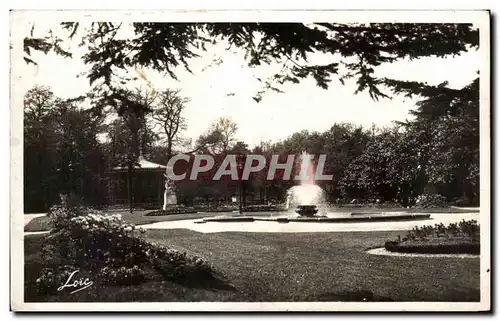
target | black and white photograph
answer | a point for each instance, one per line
(250, 160)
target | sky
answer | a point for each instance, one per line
(278, 115)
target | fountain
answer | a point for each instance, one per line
(307, 196)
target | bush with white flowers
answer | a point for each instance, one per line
(115, 251)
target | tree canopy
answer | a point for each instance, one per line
(353, 51)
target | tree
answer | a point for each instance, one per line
(118, 147)
(61, 151)
(207, 142)
(167, 111)
(446, 133)
(387, 169)
(239, 148)
(132, 107)
(40, 150)
(79, 151)
(343, 143)
(227, 129)
(37, 104)
(219, 137)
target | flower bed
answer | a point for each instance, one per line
(216, 209)
(462, 238)
(263, 208)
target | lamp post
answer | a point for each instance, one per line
(240, 163)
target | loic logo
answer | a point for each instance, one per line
(76, 284)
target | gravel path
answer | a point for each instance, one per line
(295, 227)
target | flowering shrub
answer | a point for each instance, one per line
(453, 238)
(116, 251)
(122, 276)
(469, 229)
(95, 240)
(50, 279)
(59, 216)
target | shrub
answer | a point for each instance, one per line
(263, 208)
(93, 241)
(431, 201)
(106, 246)
(59, 216)
(173, 264)
(462, 201)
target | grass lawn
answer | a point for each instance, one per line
(138, 217)
(289, 267)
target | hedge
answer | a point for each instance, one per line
(463, 247)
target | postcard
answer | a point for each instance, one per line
(272, 160)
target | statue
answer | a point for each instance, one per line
(169, 197)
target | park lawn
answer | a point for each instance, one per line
(291, 267)
(41, 223)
